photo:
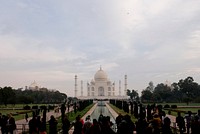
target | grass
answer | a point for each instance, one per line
(15, 115)
(178, 104)
(193, 110)
(117, 110)
(72, 116)
(21, 105)
(15, 109)
(174, 113)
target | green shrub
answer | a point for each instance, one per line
(14, 114)
(159, 106)
(43, 107)
(35, 107)
(173, 106)
(166, 106)
(23, 112)
(27, 107)
(51, 107)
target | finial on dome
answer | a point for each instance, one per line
(100, 67)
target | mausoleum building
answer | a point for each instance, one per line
(100, 86)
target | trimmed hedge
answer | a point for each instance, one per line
(166, 106)
(43, 107)
(159, 106)
(35, 107)
(51, 107)
(173, 106)
(27, 107)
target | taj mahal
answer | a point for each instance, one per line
(100, 87)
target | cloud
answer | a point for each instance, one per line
(51, 41)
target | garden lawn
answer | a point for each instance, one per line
(16, 113)
(117, 110)
(178, 104)
(22, 105)
(174, 111)
(72, 116)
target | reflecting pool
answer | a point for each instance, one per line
(102, 109)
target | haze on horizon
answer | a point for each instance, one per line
(52, 41)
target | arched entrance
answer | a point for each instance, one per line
(100, 91)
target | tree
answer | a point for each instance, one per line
(133, 94)
(177, 95)
(146, 96)
(25, 99)
(163, 91)
(188, 87)
(7, 95)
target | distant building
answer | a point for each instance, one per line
(100, 86)
(168, 83)
(43, 89)
(35, 87)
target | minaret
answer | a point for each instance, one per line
(75, 90)
(113, 89)
(81, 88)
(125, 85)
(119, 87)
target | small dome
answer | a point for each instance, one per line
(34, 86)
(100, 75)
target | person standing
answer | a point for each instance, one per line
(1, 120)
(42, 127)
(26, 117)
(195, 126)
(53, 125)
(188, 121)
(78, 126)
(119, 119)
(166, 126)
(95, 128)
(87, 125)
(180, 123)
(2, 123)
(65, 125)
(33, 125)
(11, 124)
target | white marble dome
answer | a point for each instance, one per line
(100, 76)
(34, 86)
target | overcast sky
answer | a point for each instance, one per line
(51, 41)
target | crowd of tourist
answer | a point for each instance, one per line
(7, 124)
(154, 122)
(100, 126)
(37, 125)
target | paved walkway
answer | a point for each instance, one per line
(114, 114)
(23, 125)
(173, 120)
(88, 113)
